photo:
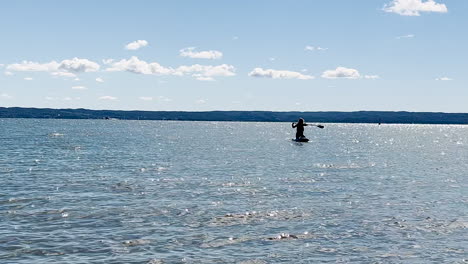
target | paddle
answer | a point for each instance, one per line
(319, 126)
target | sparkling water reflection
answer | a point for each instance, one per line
(109, 191)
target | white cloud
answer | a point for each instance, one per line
(34, 66)
(79, 87)
(28, 78)
(63, 74)
(108, 97)
(77, 65)
(136, 44)
(200, 72)
(201, 101)
(72, 66)
(6, 96)
(49, 98)
(405, 36)
(444, 79)
(312, 48)
(203, 78)
(209, 54)
(341, 72)
(99, 80)
(372, 77)
(1, 65)
(414, 7)
(8, 73)
(164, 99)
(136, 65)
(278, 74)
(145, 98)
(77, 79)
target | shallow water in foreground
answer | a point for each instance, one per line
(109, 191)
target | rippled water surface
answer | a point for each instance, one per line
(109, 191)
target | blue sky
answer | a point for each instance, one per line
(334, 55)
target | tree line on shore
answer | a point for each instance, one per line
(388, 117)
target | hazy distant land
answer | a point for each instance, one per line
(246, 116)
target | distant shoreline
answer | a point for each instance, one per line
(383, 117)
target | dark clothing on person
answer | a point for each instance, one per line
(300, 128)
(300, 131)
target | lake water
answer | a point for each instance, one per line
(110, 191)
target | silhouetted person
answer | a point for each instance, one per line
(300, 128)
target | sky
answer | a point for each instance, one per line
(276, 55)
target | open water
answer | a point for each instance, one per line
(110, 191)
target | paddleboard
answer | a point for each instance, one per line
(300, 139)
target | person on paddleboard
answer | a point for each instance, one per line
(300, 128)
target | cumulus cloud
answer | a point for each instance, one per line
(200, 72)
(414, 7)
(346, 73)
(145, 98)
(28, 79)
(77, 65)
(108, 97)
(136, 65)
(79, 87)
(444, 79)
(278, 74)
(209, 54)
(341, 72)
(72, 66)
(99, 80)
(136, 44)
